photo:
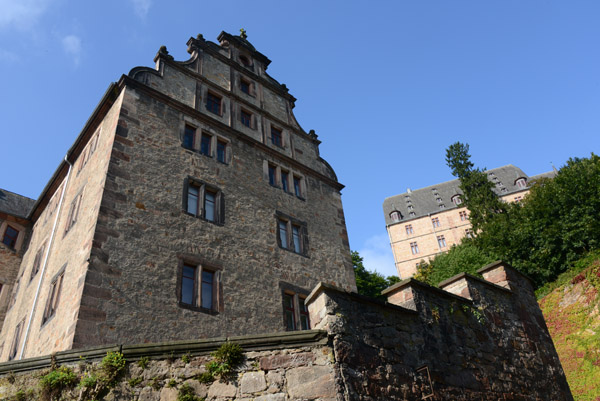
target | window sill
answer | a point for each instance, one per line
(294, 252)
(203, 219)
(197, 308)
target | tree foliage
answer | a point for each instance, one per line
(464, 257)
(480, 198)
(370, 283)
(555, 224)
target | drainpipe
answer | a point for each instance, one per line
(45, 263)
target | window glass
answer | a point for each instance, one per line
(283, 234)
(207, 289)
(205, 144)
(187, 284)
(304, 321)
(221, 146)
(297, 190)
(284, 181)
(10, 237)
(245, 86)
(213, 103)
(188, 137)
(276, 137)
(192, 203)
(296, 237)
(272, 175)
(209, 206)
(246, 118)
(288, 302)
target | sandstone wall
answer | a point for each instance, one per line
(476, 341)
(68, 251)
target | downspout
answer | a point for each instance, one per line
(37, 291)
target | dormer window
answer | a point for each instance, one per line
(456, 200)
(521, 182)
(395, 216)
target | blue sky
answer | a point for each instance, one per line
(386, 85)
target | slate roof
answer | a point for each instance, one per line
(14, 204)
(438, 198)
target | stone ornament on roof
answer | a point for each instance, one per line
(243, 34)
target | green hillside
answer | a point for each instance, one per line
(571, 306)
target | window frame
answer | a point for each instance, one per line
(192, 130)
(200, 266)
(300, 315)
(246, 83)
(441, 241)
(14, 348)
(409, 229)
(286, 228)
(203, 188)
(53, 299)
(37, 261)
(414, 248)
(14, 240)
(74, 209)
(276, 133)
(435, 222)
(214, 103)
(249, 120)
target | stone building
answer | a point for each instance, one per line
(14, 235)
(428, 221)
(191, 205)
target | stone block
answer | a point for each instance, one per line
(221, 389)
(310, 383)
(253, 382)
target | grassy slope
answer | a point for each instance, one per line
(571, 308)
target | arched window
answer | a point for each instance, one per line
(396, 216)
(521, 182)
(457, 200)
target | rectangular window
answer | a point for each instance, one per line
(189, 135)
(276, 137)
(94, 142)
(37, 261)
(292, 235)
(285, 181)
(73, 212)
(245, 86)
(463, 215)
(204, 201)
(297, 186)
(409, 229)
(441, 241)
(290, 315)
(246, 118)
(10, 236)
(14, 348)
(436, 222)
(198, 287)
(221, 151)
(272, 176)
(210, 199)
(469, 233)
(53, 297)
(213, 103)
(13, 298)
(304, 318)
(283, 236)
(205, 142)
(414, 248)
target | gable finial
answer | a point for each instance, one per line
(243, 34)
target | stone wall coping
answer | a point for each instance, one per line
(168, 349)
(468, 277)
(426, 287)
(504, 264)
(323, 287)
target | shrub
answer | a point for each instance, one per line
(57, 380)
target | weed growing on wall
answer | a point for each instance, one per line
(56, 381)
(186, 393)
(225, 360)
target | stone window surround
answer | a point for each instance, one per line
(54, 293)
(441, 241)
(203, 186)
(291, 175)
(409, 229)
(89, 150)
(214, 139)
(290, 223)
(217, 106)
(14, 348)
(435, 221)
(253, 121)
(250, 83)
(20, 236)
(414, 248)
(37, 261)
(74, 209)
(297, 293)
(200, 263)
